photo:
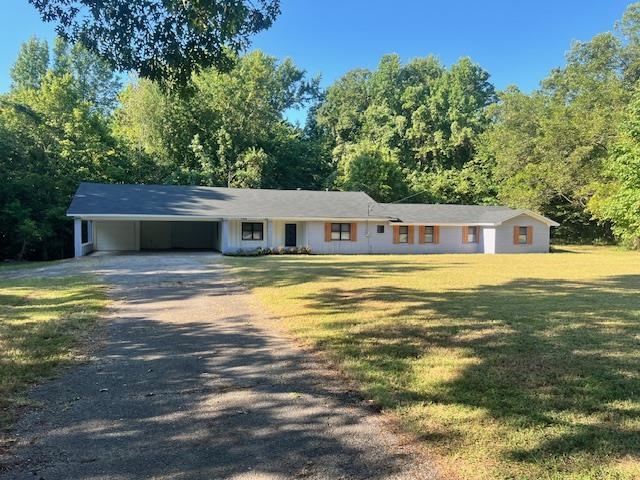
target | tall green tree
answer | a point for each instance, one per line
(231, 130)
(369, 168)
(31, 65)
(94, 79)
(550, 146)
(617, 197)
(51, 138)
(429, 116)
(161, 40)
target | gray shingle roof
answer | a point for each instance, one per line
(123, 200)
(120, 200)
(444, 213)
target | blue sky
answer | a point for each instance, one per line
(517, 42)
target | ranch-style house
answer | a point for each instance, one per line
(160, 217)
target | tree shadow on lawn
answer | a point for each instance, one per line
(286, 271)
(544, 351)
(206, 395)
(37, 332)
(198, 400)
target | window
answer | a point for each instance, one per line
(252, 231)
(523, 235)
(380, 229)
(472, 234)
(429, 234)
(403, 234)
(340, 231)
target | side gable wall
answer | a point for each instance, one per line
(504, 236)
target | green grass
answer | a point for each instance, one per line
(505, 366)
(43, 325)
(19, 265)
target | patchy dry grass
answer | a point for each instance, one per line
(42, 322)
(6, 266)
(507, 366)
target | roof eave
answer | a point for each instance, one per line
(133, 217)
(531, 213)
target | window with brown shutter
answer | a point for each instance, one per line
(327, 232)
(429, 234)
(421, 234)
(529, 235)
(521, 235)
(403, 234)
(354, 232)
(436, 234)
(341, 231)
(470, 234)
(396, 233)
(410, 233)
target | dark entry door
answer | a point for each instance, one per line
(290, 239)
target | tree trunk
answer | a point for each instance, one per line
(23, 249)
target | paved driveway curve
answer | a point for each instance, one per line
(191, 383)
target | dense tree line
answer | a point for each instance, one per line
(418, 131)
(54, 132)
(411, 128)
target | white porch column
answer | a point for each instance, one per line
(224, 235)
(271, 233)
(77, 237)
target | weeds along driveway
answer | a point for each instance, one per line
(191, 383)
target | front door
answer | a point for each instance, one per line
(290, 239)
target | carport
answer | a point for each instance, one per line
(146, 217)
(134, 235)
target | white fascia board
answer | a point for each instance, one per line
(472, 224)
(218, 218)
(534, 215)
(143, 217)
(328, 219)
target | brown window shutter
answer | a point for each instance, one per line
(410, 233)
(422, 233)
(327, 232)
(436, 234)
(354, 232)
(465, 234)
(478, 234)
(529, 235)
(516, 235)
(396, 234)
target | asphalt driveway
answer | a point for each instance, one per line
(190, 382)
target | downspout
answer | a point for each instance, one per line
(368, 231)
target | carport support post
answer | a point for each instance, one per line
(77, 237)
(224, 235)
(90, 231)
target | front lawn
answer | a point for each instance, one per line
(505, 366)
(43, 323)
